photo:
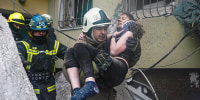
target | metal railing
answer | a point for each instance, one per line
(157, 8)
(72, 21)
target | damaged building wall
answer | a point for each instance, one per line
(32, 6)
(177, 76)
(163, 32)
(14, 82)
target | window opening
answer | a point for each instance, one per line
(71, 13)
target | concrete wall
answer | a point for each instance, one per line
(33, 6)
(108, 6)
(162, 33)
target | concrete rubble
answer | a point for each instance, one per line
(14, 83)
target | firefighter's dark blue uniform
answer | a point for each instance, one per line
(42, 56)
(43, 64)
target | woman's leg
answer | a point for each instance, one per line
(73, 74)
(84, 55)
(72, 69)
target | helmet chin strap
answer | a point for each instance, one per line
(93, 36)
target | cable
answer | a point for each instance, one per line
(66, 35)
(194, 51)
(140, 84)
(186, 34)
(148, 82)
(181, 59)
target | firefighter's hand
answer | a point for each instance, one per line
(131, 43)
(82, 36)
(25, 62)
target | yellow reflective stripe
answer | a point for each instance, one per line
(29, 58)
(29, 53)
(96, 70)
(105, 59)
(136, 45)
(26, 45)
(52, 52)
(51, 88)
(99, 61)
(56, 46)
(37, 91)
(82, 76)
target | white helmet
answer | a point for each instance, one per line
(94, 17)
(48, 18)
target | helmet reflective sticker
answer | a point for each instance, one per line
(38, 22)
(41, 25)
(102, 19)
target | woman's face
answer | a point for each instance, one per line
(122, 19)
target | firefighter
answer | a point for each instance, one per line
(16, 23)
(39, 54)
(108, 71)
(50, 23)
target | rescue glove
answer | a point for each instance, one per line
(54, 58)
(102, 61)
(24, 61)
(132, 43)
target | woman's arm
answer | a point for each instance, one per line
(118, 47)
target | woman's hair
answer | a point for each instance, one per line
(139, 30)
(128, 15)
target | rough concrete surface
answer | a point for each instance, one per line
(14, 83)
(63, 87)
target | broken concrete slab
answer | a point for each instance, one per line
(14, 82)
